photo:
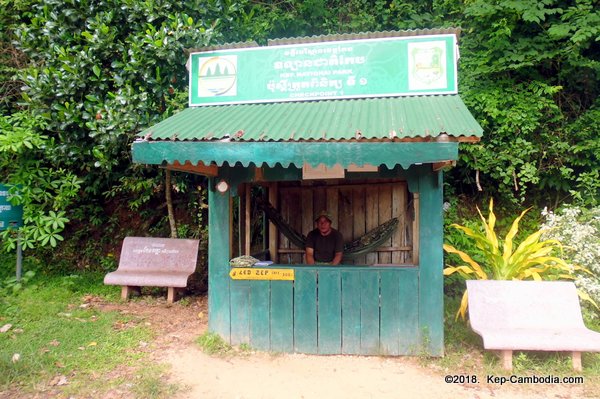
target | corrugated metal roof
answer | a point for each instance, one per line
(362, 35)
(371, 118)
(330, 38)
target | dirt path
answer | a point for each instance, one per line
(261, 375)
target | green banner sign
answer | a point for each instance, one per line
(399, 66)
(10, 215)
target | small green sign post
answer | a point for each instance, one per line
(11, 217)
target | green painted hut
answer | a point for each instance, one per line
(360, 125)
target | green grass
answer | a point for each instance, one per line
(212, 344)
(55, 333)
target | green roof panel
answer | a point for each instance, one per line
(370, 118)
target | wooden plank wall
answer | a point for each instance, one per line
(356, 208)
(330, 310)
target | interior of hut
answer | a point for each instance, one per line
(361, 209)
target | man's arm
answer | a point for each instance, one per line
(310, 255)
(337, 259)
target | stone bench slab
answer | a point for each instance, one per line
(154, 262)
(529, 315)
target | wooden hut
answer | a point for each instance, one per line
(359, 125)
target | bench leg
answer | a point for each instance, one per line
(506, 357)
(577, 361)
(171, 294)
(126, 290)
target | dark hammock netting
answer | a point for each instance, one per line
(361, 246)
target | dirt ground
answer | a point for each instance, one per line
(259, 375)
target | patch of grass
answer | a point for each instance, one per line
(212, 344)
(55, 334)
(150, 383)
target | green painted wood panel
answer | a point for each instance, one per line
(390, 311)
(282, 316)
(218, 264)
(351, 292)
(260, 314)
(330, 312)
(431, 284)
(240, 310)
(408, 314)
(369, 312)
(305, 311)
(296, 153)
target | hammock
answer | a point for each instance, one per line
(361, 246)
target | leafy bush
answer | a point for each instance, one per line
(579, 230)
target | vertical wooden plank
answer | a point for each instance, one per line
(369, 312)
(320, 200)
(295, 220)
(273, 233)
(218, 263)
(260, 312)
(330, 312)
(408, 312)
(350, 312)
(247, 219)
(358, 211)
(385, 214)
(307, 214)
(372, 218)
(282, 316)
(390, 312)
(240, 310)
(415, 230)
(398, 210)
(284, 242)
(234, 246)
(431, 285)
(305, 311)
(345, 213)
(331, 204)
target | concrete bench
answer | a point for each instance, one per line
(529, 315)
(154, 262)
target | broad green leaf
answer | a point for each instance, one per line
(466, 258)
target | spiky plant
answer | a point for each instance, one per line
(532, 258)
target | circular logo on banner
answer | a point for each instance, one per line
(218, 76)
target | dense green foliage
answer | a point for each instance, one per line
(530, 74)
(80, 78)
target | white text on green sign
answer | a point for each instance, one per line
(399, 66)
(10, 215)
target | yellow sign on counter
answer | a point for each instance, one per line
(251, 273)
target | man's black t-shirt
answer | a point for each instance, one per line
(325, 247)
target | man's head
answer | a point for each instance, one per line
(323, 221)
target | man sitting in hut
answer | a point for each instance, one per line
(324, 245)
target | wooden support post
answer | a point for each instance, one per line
(506, 358)
(577, 361)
